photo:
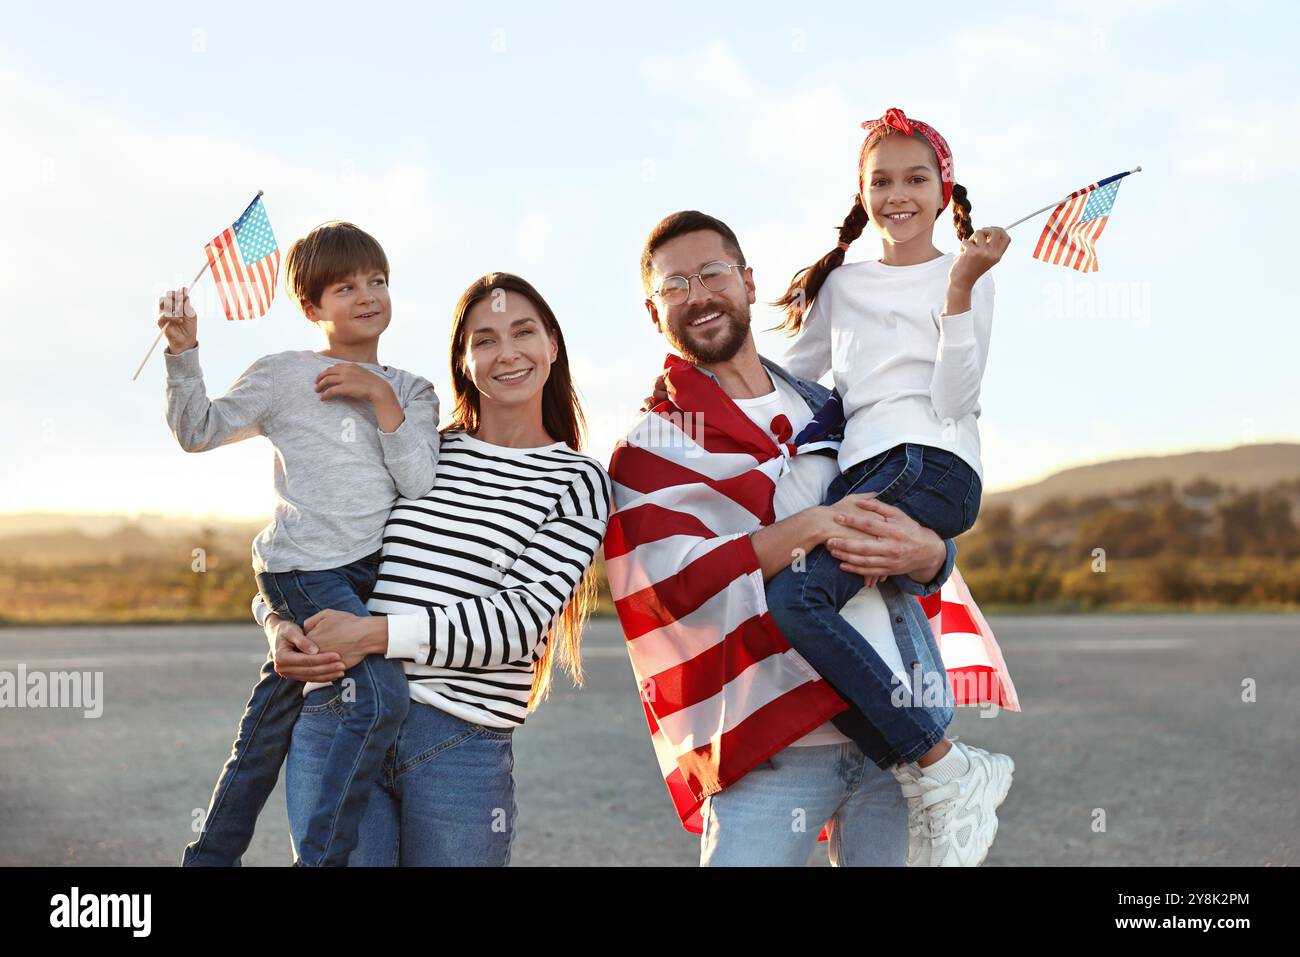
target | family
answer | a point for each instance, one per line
(418, 585)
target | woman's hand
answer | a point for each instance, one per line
(351, 636)
(894, 544)
(297, 656)
(658, 393)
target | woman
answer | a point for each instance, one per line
(483, 584)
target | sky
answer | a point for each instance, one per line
(548, 141)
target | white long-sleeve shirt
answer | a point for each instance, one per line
(905, 372)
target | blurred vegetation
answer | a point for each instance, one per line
(1201, 546)
(205, 579)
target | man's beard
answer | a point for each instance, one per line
(719, 348)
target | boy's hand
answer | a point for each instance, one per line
(345, 380)
(178, 320)
(978, 255)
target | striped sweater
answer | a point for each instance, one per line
(475, 572)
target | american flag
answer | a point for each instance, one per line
(976, 670)
(721, 688)
(1070, 236)
(245, 264)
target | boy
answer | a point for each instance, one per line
(350, 436)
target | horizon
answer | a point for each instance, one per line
(250, 517)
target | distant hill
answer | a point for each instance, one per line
(1246, 467)
(1195, 531)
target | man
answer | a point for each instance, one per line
(713, 498)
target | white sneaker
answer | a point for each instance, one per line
(962, 813)
(918, 826)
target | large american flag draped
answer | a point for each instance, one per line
(976, 670)
(721, 688)
(1070, 236)
(245, 264)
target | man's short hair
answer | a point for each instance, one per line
(330, 252)
(679, 224)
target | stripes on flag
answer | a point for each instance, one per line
(1070, 236)
(245, 263)
(971, 656)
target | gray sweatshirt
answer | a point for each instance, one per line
(336, 475)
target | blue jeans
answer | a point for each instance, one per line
(380, 699)
(934, 487)
(772, 816)
(445, 794)
(938, 490)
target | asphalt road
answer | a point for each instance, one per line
(1140, 717)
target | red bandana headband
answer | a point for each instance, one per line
(894, 118)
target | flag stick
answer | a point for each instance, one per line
(161, 331)
(1057, 203)
(197, 277)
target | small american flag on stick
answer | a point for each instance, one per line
(1070, 236)
(245, 263)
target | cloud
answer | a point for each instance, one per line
(697, 76)
(799, 131)
(118, 211)
(1260, 141)
(532, 236)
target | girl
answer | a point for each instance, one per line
(483, 585)
(907, 339)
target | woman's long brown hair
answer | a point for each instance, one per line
(563, 420)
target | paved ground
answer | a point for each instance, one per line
(1139, 716)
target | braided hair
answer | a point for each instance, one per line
(807, 282)
(961, 212)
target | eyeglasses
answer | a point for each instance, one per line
(713, 276)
